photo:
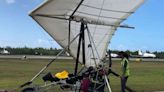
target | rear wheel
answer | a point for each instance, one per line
(28, 90)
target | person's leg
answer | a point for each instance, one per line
(126, 87)
(123, 83)
(126, 78)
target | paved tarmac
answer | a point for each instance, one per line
(32, 57)
(65, 57)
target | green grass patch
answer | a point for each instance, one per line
(145, 76)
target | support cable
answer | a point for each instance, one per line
(94, 45)
(89, 36)
(108, 10)
(29, 82)
(98, 17)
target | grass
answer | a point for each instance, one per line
(145, 76)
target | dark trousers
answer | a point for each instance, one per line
(123, 85)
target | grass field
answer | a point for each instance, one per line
(145, 76)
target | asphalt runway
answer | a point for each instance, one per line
(65, 57)
(32, 57)
(143, 59)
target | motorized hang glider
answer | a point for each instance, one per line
(63, 20)
(84, 28)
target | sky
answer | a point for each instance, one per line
(19, 30)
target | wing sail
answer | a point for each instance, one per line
(102, 17)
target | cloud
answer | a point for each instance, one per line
(47, 43)
(121, 47)
(41, 41)
(10, 1)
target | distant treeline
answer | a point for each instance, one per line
(55, 51)
(158, 54)
(31, 51)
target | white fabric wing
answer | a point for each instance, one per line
(53, 16)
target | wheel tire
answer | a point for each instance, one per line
(28, 90)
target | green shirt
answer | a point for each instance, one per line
(125, 67)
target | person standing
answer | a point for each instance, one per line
(125, 71)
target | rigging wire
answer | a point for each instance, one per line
(108, 10)
(107, 17)
(89, 36)
(46, 37)
(98, 17)
(94, 45)
(101, 41)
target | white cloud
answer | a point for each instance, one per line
(10, 1)
(46, 43)
(41, 41)
(121, 47)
